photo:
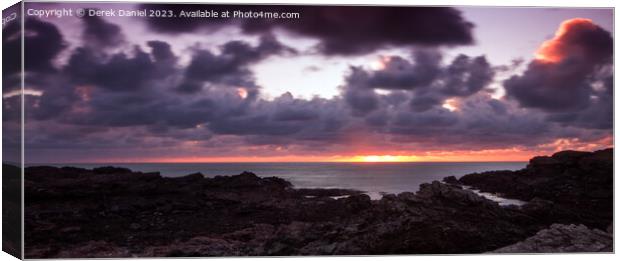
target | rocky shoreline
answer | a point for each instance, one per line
(567, 187)
(114, 212)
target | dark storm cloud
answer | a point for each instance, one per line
(425, 100)
(43, 43)
(551, 87)
(291, 119)
(428, 123)
(342, 30)
(90, 64)
(561, 78)
(161, 51)
(356, 30)
(101, 34)
(55, 100)
(598, 114)
(427, 82)
(359, 96)
(480, 121)
(466, 76)
(109, 87)
(117, 72)
(42, 40)
(401, 74)
(230, 67)
(163, 57)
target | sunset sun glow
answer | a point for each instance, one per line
(384, 158)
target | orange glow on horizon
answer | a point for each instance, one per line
(493, 155)
(485, 156)
(556, 49)
(517, 153)
(383, 158)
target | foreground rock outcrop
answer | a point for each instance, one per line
(569, 187)
(114, 212)
(563, 238)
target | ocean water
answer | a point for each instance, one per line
(375, 179)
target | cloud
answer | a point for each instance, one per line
(230, 67)
(562, 77)
(425, 100)
(116, 72)
(355, 30)
(599, 113)
(44, 43)
(161, 51)
(358, 94)
(342, 30)
(423, 78)
(100, 34)
(286, 119)
(578, 39)
(466, 76)
(550, 87)
(42, 40)
(401, 74)
(125, 102)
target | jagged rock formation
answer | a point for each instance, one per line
(569, 187)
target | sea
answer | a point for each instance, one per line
(374, 178)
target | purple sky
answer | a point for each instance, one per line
(340, 83)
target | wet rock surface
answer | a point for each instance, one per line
(114, 212)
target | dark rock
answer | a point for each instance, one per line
(408, 197)
(243, 180)
(570, 156)
(446, 192)
(110, 212)
(111, 170)
(451, 180)
(579, 185)
(356, 203)
(195, 177)
(562, 239)
(544, 161)
(538, 207)
(47, 172)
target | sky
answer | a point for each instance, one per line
(337, 84)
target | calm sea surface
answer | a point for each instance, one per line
(374, 178)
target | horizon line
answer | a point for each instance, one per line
(235, 162)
